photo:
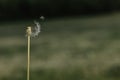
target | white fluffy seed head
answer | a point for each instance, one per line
(42, 17)
(36, 29)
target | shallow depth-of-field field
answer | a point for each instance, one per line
(74, 48)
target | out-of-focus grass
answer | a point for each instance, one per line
(82, 48)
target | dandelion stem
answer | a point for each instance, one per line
(28, 55)
(28, 62)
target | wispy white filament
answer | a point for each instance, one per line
(36, 29)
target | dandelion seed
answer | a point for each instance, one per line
(35, 29)
(42, 17)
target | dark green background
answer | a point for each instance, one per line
(35, 8)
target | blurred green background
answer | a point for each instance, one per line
(79, 39)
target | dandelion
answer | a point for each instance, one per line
(31, 32)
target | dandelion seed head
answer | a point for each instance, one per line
(36, 29)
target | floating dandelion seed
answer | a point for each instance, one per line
(36, 29)
(42, 17)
